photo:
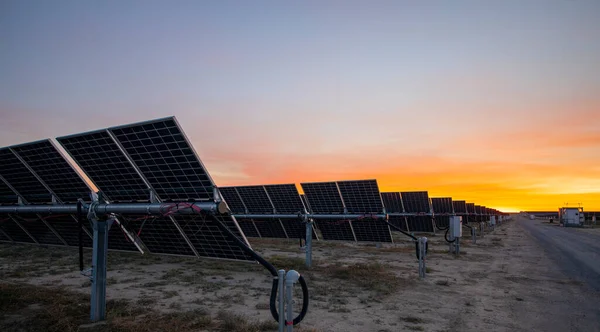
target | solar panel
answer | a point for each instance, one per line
(165, 158)
(255, 199)
(248, 227)
(361, 196)
(159, 234)
(285, 198)
(45, 160)
(335, 230)
(392, 202)
(442, 221)
(126, 162)
(296, 229)
(66, 226)
(459, 206)
(4, 237)
(420, 224)
(119, 240)
(270, 228)
(478, 209)
(399, 222)
(19, 177)
(369, 230)
(13, 230)
(442, 205)
(233, 200)
(39, 230)
(470, 207)
(323, 197)
(208, 239)
(7, 196)
(415, 201)
(101, 159)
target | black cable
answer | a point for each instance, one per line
(400, 230)
(446, 237)
(438, 227)
(272, 270)
(80, 225)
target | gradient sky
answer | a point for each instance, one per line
(496, 102)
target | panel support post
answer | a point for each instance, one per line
(281, 298)
(422, 245)
(308, 244)
(98, 298)
(474, 234)
(457, 247)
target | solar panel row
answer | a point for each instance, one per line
(266, 200)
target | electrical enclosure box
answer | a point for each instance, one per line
(455, 226)
(493, 220)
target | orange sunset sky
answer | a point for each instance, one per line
(496, 103)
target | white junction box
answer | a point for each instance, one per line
(455, 226)
(492, 220)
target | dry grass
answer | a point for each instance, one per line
(374, 277)
(34, 308)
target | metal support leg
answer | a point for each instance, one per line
(281, 275)
(290, 279)
(457, 246)
(474, 234)
(308, 243)
(422, 243)
(98, 298)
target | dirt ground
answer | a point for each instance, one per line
(504, 282)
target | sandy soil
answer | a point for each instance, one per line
(504, 282)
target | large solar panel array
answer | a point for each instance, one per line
(417, 202)
(266, 200)
(128, 163)
(353, 197)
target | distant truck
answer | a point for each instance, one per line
(571, 216)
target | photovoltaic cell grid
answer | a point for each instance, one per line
(296, 229)
(118, 239)
(459, 206)
(208, 239)
(39, 230)
(470, 207)
(66, 226)
(103, 162)
(415, 201)
(3, 236)
(247, 226)
(20, 178)
(369, 230)
(255, 199)
(420, 224)
(233, 200)
(159, 234)
(399, 222)
(323, 197)
(169, 177)
(7, 196)
(442, 221)
(162, 153)
(54, 170)
(285, 198)
(339, 230)
(361, 196)
(270, 228)
(442, 204)
(392, 202)
(14, 231)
